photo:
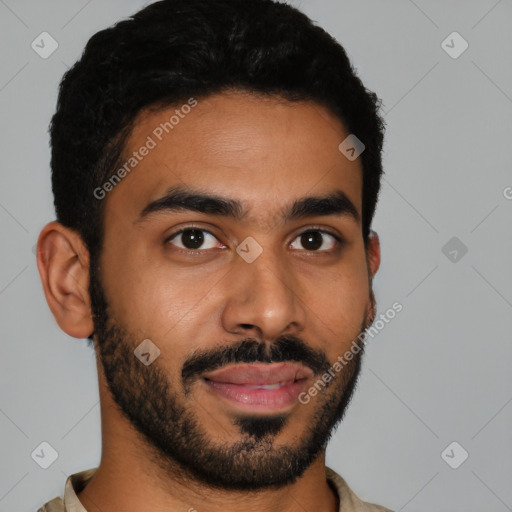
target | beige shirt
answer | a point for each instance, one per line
(349, 502)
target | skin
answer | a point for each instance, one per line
(266, 153)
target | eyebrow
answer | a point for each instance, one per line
(180, 198)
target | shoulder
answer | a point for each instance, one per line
(74, 484)
(349, 501)
(55, 505)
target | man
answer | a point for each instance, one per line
(215, 167)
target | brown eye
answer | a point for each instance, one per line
(314, 239)
(193, 239)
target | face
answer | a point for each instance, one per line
(234, 245)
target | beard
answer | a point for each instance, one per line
(180, 445)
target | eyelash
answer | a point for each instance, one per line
(199, 252)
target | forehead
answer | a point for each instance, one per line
(258, 150)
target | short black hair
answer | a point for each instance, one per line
(173, 50)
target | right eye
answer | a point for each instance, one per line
(193, 240)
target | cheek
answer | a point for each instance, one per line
(151, 298)
(338, 299)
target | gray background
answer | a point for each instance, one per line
(437, 373)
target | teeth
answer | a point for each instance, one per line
(268, 386)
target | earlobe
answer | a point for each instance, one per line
(63, 264)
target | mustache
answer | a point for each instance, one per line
(284, 349)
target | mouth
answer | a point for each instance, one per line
(259, 387)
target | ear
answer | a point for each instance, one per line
(63, 264)
(373, 253)
(373, 263)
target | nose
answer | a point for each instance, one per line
(264, 299)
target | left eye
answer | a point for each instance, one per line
(193, 238)
(313, 240)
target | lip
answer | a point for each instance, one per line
(259, 373)
(259, 387)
